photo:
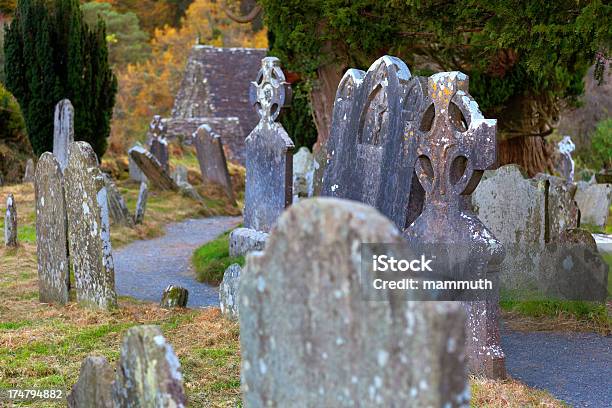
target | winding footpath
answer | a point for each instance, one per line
(143, 269)
(573, 367)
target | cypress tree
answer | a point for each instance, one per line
(51, 54)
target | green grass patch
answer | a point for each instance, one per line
(15, 325)
(607, 256)
(212, 259)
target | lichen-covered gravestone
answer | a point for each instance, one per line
(229, 291)
(88, 229)
(269, 165)
(148, 372)
(211, 157)
(28, 176)
(152, 169)
(594, 202)
(135, 173)
(119, 213)
(303, 174)
(63, 131)
(453, 148)
(308, 337)
(141, 204)
(159, 150)
(51, 234)
(174, 296)
(93, 388)
(10, 222)
(561, 209)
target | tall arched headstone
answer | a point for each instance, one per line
(212, 161)
(89, 229)
(51, 239)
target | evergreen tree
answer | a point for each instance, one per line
(51, 54)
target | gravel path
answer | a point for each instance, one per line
(143, 269)
(573, 367)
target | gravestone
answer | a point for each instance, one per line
(561, 209)
(88, 229)
(135, 173)
(141, 204)
(594, 202)
(243, 240)
(51, 234)
(303, 174)
(63, 131)
(10, 222)
(118, 211)
(370, 154)
(148, 372)
(28, 176)
(566, 147)
(93, 388)
(174, 296)
(308, 338)
(159, 150)
(157, 129)
(269, 165)
(229, 291)
(152, 169)
(180, 175)
(211, 157)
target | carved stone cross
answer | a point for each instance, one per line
(269, 92)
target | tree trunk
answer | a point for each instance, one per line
(322, 99)
(530, 152)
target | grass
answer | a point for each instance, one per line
(509, 393)
(212, 259)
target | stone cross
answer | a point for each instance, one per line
(212, 161)
(148, 372)
(308, 338)
(141, 204)
(63, 131)
(10, 222)
(51, 234)
(89, 229)
(566, 147)
(455, 144)
(269, 165)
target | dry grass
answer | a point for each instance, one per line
(509, 393)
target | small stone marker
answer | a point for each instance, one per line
(452, 152)
(63, 131)
(303, 174)
(566, 147)
(269, 165)
(308, 338)
(212, 161)
(119, 213)
(174, 296)
(10, 222)
(28, 176)
(244, 240)
(152, 169)
(229, 291)
(148, 372)
(93, 388)
(180, 175)
(51, 234)
(89, 229)
(135, 173)
(594, 202)
(141, 204)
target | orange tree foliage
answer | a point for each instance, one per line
(148, 88)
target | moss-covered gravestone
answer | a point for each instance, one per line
(174, 296)
(93, 388)
(89, 229)
(51, 234)
(309, 338)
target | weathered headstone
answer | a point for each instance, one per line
(180, 174)
(594, 202)
(561, 209)
(28, 176)
(141, 204)
(174, 296)
(309, 339)
(63, 131)
(51, 234)
(159, 150)
(148, 372)
(269, 165)
(303, 174)
(93, 388)
(566, 147)
(135, 173)
(229, 291)
(118, 211)
(10, 222)
(244, 240)
(212, 161)
(89, 228)
(152, 169)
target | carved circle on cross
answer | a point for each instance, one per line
(268, 93)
